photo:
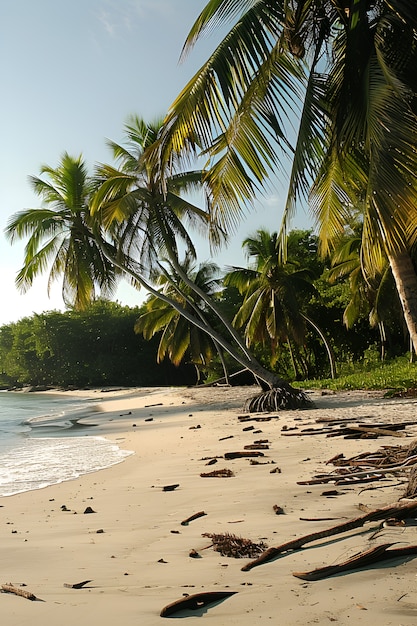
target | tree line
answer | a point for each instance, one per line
(108, 344)
(96, 347)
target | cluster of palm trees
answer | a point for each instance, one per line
(345, 71)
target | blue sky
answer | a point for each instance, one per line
(71, 74)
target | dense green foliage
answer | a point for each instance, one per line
(99, 346)
(371, 373)
(96, 347)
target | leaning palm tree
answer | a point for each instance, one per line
(346, 70)
(62, 235)
(146, 215)
(178, 338)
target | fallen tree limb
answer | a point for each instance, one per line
(185, 522)
(369, 557)
(195, 602)
(241, 455)
(399, 510)
(17, 591)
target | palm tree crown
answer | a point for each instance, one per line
(345, 71)
(63, 235)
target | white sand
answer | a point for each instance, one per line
(45, 547)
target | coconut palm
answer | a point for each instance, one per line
(146, 214)
(179, 339)
(274, 295)
(62, 235)
(346, 70)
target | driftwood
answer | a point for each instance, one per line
(350, 431)
(376, 554)
(256, 446)
(411, 490)
(399, 510)
(240, 455)
(192, 518)
(246, 418)
(170, 487)
(346, 476)
(221, 473)
(77, 585)
(195, 602)
(17, 591)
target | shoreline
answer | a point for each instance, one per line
(136, 552)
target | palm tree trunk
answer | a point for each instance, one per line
(252, 365)
(406, 282)
(329, 351)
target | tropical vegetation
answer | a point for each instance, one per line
(341, 72)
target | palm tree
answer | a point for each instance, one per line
(347, 69)
(143, 207)
(372, 295)
(274, 294)
(179, 338)
(63, 236)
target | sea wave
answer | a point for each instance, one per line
(39, 462)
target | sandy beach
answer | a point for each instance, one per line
(135, 550)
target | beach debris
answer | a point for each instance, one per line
(17, 591)
(212, 462)
(185, 522)
(258, 418)
(398, 510)
(234, 546)
(255, 462)
(360, 560)
(88, 510)
(195, 602)
(149, 419)
(162, 561)
(241, 455)
(256, 446)
(80, 585)
(220, 473)
(247, 428)
(195, 427)
(224, 438)
(369, 466)
(278, 509)
(411, 489)
(148, 406)
(276, 470)
(170, 487)
(319, 519)
(64, 508)
(194, 554)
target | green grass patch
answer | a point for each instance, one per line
(396, 375)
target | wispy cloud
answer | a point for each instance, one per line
(116, 18)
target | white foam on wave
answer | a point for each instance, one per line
(40, 462)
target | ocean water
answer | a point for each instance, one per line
(42, 444)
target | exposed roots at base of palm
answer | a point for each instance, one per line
(283, 397)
